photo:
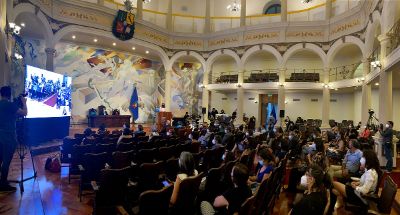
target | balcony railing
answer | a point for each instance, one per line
(263, 19)
(220, 23)
(155, 17)
(229, 77)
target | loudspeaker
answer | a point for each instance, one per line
(203, 110)
(281, 113)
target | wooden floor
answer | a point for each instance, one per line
(51, 194)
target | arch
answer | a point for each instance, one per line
(340, 44)
(309, 46)
(186, 53)
(266, 48)
(74, 28)
(269, 4)
(29, 8)
(214, 56)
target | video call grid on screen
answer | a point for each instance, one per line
(49, 93)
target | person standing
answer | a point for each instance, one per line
(9, 111)
(387, 135)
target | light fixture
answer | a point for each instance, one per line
(202, 86)
(73, 37)
(336, 89)
(238, 85)
(234, 7)
(376, 63)
(376, 84)
(147, 52)
(133, 48)
(22, 24)
(281, 84)
(18, 56)
(146, 1)
(362, 79)
(255, 101)
(14, 28)
(286, 102)
(326, 86)
(114, 44)
(306, 1)
(95, 40)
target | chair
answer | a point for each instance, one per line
(111, 190)
(149, 176)
(122, 159)
(90, 169)
(212, 187)
(227, 178)
(246, 207)
(146, 155)
(109, 148)
(67, 148)
(165, 153)
(197, 158)
(123, 147)
(161, 198)
(76, 159)
(188, 189)
(172, 168)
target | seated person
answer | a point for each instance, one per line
(231, 200)
(266, 163)
(350, 164)
(315, 197)
(102, 130)
(367, 184)
(216, 142)
(186, 169)
(153, 133)
(139, 131)
(126, 136)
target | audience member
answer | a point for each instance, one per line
(125, 137)
(387, 144)
(350, 164)
(266, 163)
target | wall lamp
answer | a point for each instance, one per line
(238, 85)
(326, 85)
(14, 28)
(376, 63)
(281, 84)
(202, 86)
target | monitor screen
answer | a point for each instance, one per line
(49, 93)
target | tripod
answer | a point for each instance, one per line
(22, 150)
(371, 122)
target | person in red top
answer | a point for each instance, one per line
(366, 133)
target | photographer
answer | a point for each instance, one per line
(9, 111)
(387, 135)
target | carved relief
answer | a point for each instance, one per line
(305, 34)
(153, 36)
(84, 16)
(346, 26)
(260, 36)
(189, 43)
(223, 41)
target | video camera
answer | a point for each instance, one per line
(371, 112)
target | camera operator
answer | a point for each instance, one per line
(9, 112)
(387, 135)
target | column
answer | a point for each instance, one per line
(366, 94)
(326, 99)
(328, 9)
(139, 9)
(205, 95)
(385, 97)
(207, 26)
(169, 16)
(240, 99)
(100, 2)
(243, 13)
(50, 58)
(384, 42)
(167, 95)
(283, 10)
(281, 96)
(4, 59)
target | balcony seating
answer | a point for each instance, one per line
(227, 79)
(303, 77)
(262, 77)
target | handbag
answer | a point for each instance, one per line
(53, 163)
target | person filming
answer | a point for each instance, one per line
(387, 135)
(9, 112)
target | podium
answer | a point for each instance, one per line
(162, 117)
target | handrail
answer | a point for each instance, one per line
(394, 35)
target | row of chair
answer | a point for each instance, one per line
(303, 77)
(262, 77)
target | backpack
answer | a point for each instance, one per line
(53, 163)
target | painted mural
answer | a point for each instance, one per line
(103, 77)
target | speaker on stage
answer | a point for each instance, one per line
(203, 110)
(281, 113)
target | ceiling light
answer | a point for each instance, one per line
(147, 52)
(234, 7)
(146, 1)
(376, 84)
(114, 44)
(336, 89)
(73, 37)
(306, 1)
(133, 48)
(22, 24)
(95, 40)
(18, 56)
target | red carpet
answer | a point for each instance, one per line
(51, 101)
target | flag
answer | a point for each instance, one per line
(273, 112)
(134, 105)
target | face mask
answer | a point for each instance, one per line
(223, 157)
(247, 134)
(214, 142)
(190, 137)
(303, 181)
(290, 137)
(387, 125)
(261, 163)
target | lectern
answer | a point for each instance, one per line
(162, 117)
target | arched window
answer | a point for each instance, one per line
(273, 9)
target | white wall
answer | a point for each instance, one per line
(396, 109)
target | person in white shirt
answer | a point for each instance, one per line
(366, 185)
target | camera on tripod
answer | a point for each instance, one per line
(371, 112)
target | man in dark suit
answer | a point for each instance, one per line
(387, 135)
